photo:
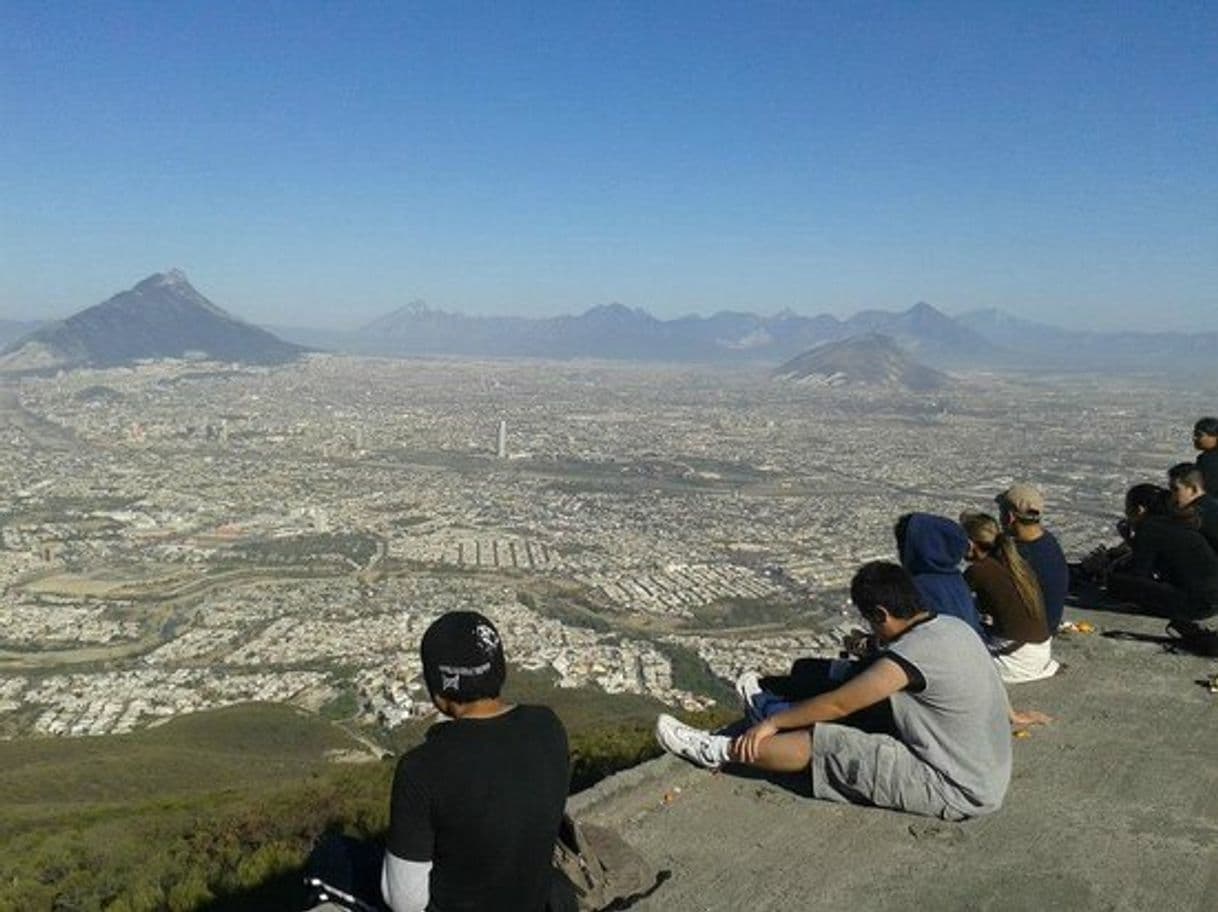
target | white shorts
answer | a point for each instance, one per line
(1030, 662)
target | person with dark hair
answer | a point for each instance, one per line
(1191, 504)
(1205, 439)
(476, 808)
(1008, 596)
(932, 548)
(949, 755)
(1021, 508)
(1172, 572)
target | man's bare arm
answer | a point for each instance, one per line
(881, 680)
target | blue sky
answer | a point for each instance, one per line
(322, 163)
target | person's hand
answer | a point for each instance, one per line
(859, 643)
(747, 747)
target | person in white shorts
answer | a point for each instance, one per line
(951, 753)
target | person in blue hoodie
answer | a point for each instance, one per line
(932, 549)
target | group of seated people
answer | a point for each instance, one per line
(913, 716)
(1167, 563)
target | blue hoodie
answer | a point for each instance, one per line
(932, 549)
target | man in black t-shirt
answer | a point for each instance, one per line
(476, 808)
(1205, 439)
(1191, 505)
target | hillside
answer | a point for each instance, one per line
(871, 360)
(217, 810)
(161, 317)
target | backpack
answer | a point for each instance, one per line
(597, 870)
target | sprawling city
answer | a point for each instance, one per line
(181, 536)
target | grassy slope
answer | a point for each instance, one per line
(217, 810)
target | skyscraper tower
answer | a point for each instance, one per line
(502, 440)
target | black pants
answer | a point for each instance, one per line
(810, 678)
(1158, 599)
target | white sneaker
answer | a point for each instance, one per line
(698, 747)
(748, 688)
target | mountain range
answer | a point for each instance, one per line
(617, 331)
(164, 316)
(161, 317)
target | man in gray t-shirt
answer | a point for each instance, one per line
(950, 756)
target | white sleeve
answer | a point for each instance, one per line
(405, 884)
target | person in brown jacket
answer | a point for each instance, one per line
(1008, 594)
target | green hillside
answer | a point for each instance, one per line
(218, 810)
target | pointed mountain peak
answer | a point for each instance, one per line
(923, 310)
(161, 317)
(173, 278)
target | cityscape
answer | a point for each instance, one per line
(179, 536)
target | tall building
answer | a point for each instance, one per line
(502, 440)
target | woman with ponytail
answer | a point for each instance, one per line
(1008, 594)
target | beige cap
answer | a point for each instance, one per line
(1025, 501)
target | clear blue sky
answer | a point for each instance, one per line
(321, 163)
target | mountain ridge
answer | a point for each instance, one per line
(617, 331)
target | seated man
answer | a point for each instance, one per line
(476, 808)
(1172, 571)
(1190, 502)
(1020, 509)
(950, 756)
(1205, 439)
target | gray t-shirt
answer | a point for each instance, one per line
(955, 719)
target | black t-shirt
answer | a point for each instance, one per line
(1049, 564)
(1207, 516)
(1207, 462)
(1175, 554)
(481, 799)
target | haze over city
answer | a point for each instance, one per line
(321, 165)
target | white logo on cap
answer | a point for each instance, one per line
(488, 640)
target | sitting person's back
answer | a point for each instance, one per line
(476, 808)
(1009, 596)
(1021, 508)
(931, 549)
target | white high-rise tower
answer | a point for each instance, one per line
(502, 440)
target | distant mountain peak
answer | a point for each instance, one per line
(162, 316)
(868, 359)
(174, 278)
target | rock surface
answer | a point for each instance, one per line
(1112, 806)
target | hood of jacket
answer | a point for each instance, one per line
(932, 544)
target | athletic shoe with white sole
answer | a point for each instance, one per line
(698, 747)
